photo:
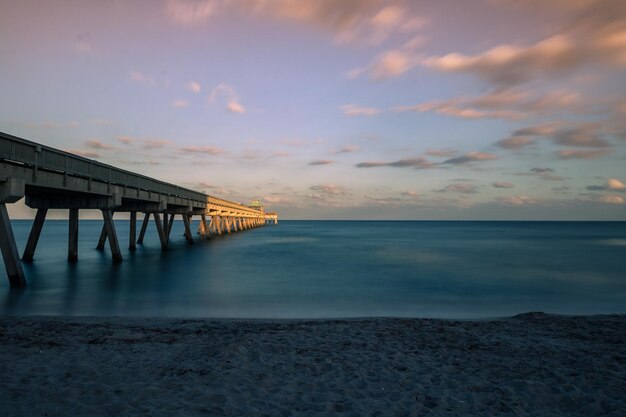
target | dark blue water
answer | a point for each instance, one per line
(306, 269)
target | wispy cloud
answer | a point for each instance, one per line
(194, 86)
(594, 36)
(345, 149)
(611, 199)
(227, 92)
(518, 200)
(441, 153)
(417, 163)
(126, 140)
(355, 110)
(155, 143)
(611, 184)
(190, 12)
(461, 188)
(321, 162)
(583, 154)
(502, 184)
(515, 142)
(471, 157)
(543, 173)
(180, 104)
(508, 104)
(329, 189)
(202, 150)
(85, 154)
(98, 144)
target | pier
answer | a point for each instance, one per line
(50, 178)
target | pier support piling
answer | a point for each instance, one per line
(10, 255)
(33, 237)
(114, 244)
(205, 227)
(160, 231)
(144, 226)
(133, 231)
(187, 221)
(170, 224)
(72, 248)
(103, 238)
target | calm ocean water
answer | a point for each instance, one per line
(311, 269)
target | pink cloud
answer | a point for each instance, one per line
(354, 110)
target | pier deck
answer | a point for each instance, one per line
(50, 178)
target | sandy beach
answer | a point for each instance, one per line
(528, 365)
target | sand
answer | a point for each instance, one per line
(528, 365)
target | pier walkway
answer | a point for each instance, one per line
(49, 178)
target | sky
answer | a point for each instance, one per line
(353, 109)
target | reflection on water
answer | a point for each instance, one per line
(332, 269)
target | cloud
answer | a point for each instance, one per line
(417, 163)
(612, 184)
(98, 144)
(519, 200)
(235, 107)
(583, 154)
(203, 150)
(345, 149)
(581, 136)
(445, 108)
(295, 142)
(351, 21)
(508, 104)
(84, 154)
(411, 194)
(368, 22)
(594, 36)
(543, 173)
(139, 77)
(279, 154)
(515, 142)
(541, 170)
(461, 188)
(471, 157)
(615, 184)
(276, 200)
(393, 62)
(126, 140)
(155, 143)
(354, 110)
(194, 86)
(227, 92)
(179, 104)
(539, 130)
(441, 153)
(611, 199)
(190, 12)
(508, 65)
(502, 184)
(329, 189)
(321, 162)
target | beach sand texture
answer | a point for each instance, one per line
(529, 365)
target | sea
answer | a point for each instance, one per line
(330, 269)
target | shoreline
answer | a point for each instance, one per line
(528, 364)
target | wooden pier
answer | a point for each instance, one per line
(49, 178)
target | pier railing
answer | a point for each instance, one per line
(40, 157)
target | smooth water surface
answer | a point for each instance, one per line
(312, 269)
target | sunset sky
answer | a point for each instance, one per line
(493, 109)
